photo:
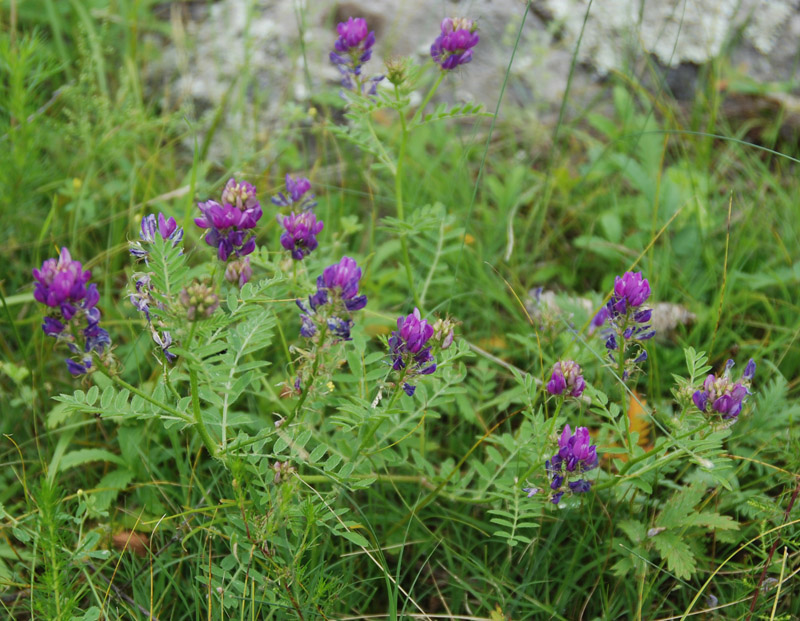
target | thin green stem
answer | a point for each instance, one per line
(428, 97)
(211, 446)
(398, 196)
(310, 380)
(373, 430)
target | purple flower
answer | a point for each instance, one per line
(229, 222)
(409, 348)
(567, 378)
(52, 326)
(342, 279)
(297, 191)
(336, 297)
(631, 290)
(164, 341)
(339, 327)
(721, 395)
(97, 339)
(577, 450)
(73, 318)
(168, 230)
(576, 455)
(300, 236)
(531, 491)
(352, 49)
(79, 368)
(598, 320)
(453, 47)
(61, 283)
(749, 370)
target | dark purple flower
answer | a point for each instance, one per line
(61, 283)
(576, 455)
(409, 346)
(340, 328)
(453, 47)
(581, 486)
(409, 389)
(721, 395)
(342, 278)
(631, 290)
(229, 222)
(297, 192)
(74, 318)
(567, 378)
(97, 339)
(352, 49)
(749, 370)
(300, 236)
(598, 320)
(336, 297)
(168, 230)
(52, 326)
(577, 450)
(79, 368)
(164, 341)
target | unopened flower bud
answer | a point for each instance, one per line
(239, 271)
(199, 299)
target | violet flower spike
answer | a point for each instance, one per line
(566, 378)
(336, 297)
(352, 49)
(151, 226)
(297, 192)
(300, 235)
(576, 455)
(453, 47)
(61, 282)
(229, 223)
(410, 349)
(721, 395)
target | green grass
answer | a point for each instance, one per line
(711, 219)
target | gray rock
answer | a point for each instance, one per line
(247, 54)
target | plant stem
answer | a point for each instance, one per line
(428, 97)
(377, 424)
(323, 332)
(398, 196)
(212, 448)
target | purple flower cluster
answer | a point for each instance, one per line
(231, 220)
(300, 236)
(576, 455)
(566, 378)
(352, 49)
(336, 297)
(453, 47)
(629, 320)
(297, 193)
(410, 350)
(722, 395)
(168, 230)
(61, 286)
